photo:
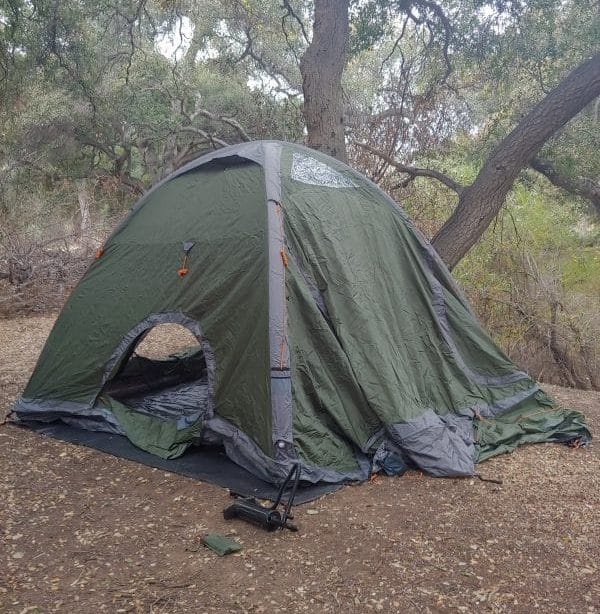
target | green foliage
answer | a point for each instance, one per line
(536, 261)
(528, 56)
(369, 22)
(581, 272)
(88, 94)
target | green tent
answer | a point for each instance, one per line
(329, 331)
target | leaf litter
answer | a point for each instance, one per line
(83, 531)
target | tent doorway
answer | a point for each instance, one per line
(163, 373)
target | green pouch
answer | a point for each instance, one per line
(220, 544)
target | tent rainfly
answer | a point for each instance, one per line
(329, 332)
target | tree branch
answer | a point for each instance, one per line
(447, 28)
(213, 140)
(579, 186)
(413, 171)
(291, 13)
(230, 121)
(479, 204)
(274, 72)
(93, 143)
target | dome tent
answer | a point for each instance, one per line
(329, 331)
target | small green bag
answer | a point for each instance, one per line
(220, 544)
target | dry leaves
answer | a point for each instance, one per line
(82, 531)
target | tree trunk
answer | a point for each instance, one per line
(480, 202)
(322, 66)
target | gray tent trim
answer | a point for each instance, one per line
(431, 439)
(242, 450)
(281, 383)
(499, 407)
(48, 410)
(441, 445)
(239, 447)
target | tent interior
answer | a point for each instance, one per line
(163, 374)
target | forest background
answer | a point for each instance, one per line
(481, 117)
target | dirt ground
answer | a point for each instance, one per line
(81, 531)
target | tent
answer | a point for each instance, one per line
(329, 332)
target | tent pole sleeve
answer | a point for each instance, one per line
(281, 385)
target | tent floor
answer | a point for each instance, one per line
(201, 463)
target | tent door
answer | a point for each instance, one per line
(163, 369)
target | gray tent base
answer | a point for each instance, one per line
(204, 463)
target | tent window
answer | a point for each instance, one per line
(164, 374)
(307, 169)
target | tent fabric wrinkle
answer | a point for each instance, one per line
(328, 331)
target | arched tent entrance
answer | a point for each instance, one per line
(159, 383)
